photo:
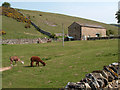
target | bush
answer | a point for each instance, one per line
(11, 12)
(2, 32)
(109, 32)
(6, 4)
(27, 25)
(53, 36)
(40, 14)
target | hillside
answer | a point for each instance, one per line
(16, 30)
(52, 22)
(117, 25)
(46, 21)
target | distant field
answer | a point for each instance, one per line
(64, 64)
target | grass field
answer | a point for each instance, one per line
(64, 64)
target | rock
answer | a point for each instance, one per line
(106, 78)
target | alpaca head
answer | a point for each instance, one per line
(44, 64)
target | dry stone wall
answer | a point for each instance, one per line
(107, 79)
(25, 41)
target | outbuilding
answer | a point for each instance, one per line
(81, 31)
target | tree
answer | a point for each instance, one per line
(109, 32)
(6, 4)
(53, 36)
(118, 16)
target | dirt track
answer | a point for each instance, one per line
(5, 68)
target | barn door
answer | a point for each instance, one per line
(97, 35)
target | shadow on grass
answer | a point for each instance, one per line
(33, 66)
(27, 66)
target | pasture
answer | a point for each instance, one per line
(64, 64)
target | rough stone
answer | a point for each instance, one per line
(99, 79)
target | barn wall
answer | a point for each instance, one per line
(87, 31)
(75, 31)
(82, 32)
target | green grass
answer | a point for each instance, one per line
(46, 21)
(16, 30)
(64, 64)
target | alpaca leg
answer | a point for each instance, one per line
(15, 63)
(36, 63)
(11, 63)
(31, 63)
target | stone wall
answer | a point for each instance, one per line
(108, 78)
(105, 38)
(25, 41)
(81, 32)
(40, 30)
(74, 31)
(91, 32)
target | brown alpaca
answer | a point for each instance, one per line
(37, 60)
(15, 58)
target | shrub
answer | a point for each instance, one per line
(109, 32)
(6, 4)
(53, 36)
(40, 14)
(2, 32)
(11, 12)
(27, 25)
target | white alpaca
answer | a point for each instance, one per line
(15, 58)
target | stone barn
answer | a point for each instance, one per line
(81, 31)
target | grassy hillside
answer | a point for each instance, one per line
(47, 21)
(16, 30)
(52, 22)
(117, 25)
(64, 64)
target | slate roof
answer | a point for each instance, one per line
(87, 25)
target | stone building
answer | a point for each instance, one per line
(81, 31)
